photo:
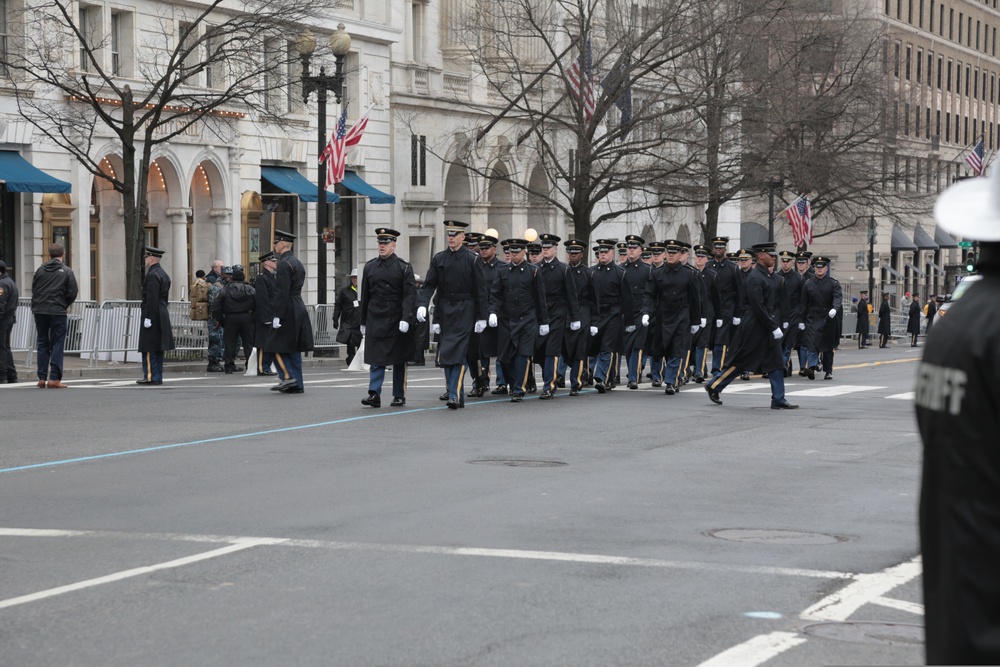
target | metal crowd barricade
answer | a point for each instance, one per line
(81, 320)
(190, 336)
(22, 338)
(324, 333)
(117, 332)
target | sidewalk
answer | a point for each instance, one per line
(75, 367)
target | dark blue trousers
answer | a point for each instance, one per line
(376, 376)
(152, 366)
(290, 366)
(50, 343)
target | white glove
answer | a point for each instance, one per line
(480, 326)
(404, 326)
(363, 329)
(593, 331)
(704, 323)
(718, 324)
(493, 319)
(276, 323)
(833, 312)
(784, 325)
(436, 328)
(736, 321)
(147, 323)
(574, 326)
(543, 330)
(694, 328)
(645, 320)
(421, 314)
(802, 326)
(630, 328)
(778, 334)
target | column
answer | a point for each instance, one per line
(178, 257)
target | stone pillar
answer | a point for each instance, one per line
(227, 248)
(178, 253)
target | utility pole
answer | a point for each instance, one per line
(871, 256)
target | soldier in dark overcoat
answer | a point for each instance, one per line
(488, 339)
(577, 338)
(729, 296)
(636, 275)
(460, 306)
(702, 341)
(760, 337)
(791, 304)
(347, 317)
(263, 286)
(291, 331)
(884, 322)
(388, 305)
(562, 302)
(156, 335)
(518, 311)
(823, 310)
(863, 326)
(612, 300)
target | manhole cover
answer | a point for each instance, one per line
(766, 536)
(869, 632)
(518, 463)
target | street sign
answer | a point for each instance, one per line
(965, 244)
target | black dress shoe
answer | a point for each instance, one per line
(148, 382)
(452, 405)
(267, 373)
(657, 383)
(560, 381)
(633, 385)
(828, 376)
(574, 392)
(444, 397)
(599, 386)
(373, 399)
(477, 392)
(397, 402)
(545, 395)
(501, 390)
(517, 398)
(670, 390)
(699, 379)
(531, 388)
(713, 395)
(294, 389)
(811, 373)
(784, 405)
(215, 368)
(284, 384)
(802, 372)
(745, 375)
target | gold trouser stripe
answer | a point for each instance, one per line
(638, 366)
(579, 373)
(461, 378)
(555, 372)
(687, 360)
(260, 360)
(722, 362)
(527, 370)
(680, 373)
(281, 365)
(726, 373)
(406, 373)
(149, 367)
(704, 360)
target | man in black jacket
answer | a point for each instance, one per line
(156, 335)
(347, 317)
(8, 316)
(863, 327)
(234, 307)
(263, 293)
(53, 291)
(291, 331)
(729, 296)
(823, 309)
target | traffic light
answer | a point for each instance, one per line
(970, 261)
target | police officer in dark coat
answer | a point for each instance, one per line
(956, 401)
(884, 322)
(263, 315)
(518, 311)
(291, 331)
(791, 304)
(636, 275)
(561, 301)
(760, 337)
(388, 303)
(709, 307)
(672, 295)
(729, 296)
(347, 317)
(155, 336)
(576, 340)
(863, 327)
(612, 302)
(823, 310)
(234, 307)
(456, 274)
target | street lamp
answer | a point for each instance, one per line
(777, 183)
(340, 46)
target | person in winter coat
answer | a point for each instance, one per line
(291, 331)
(155, 336)
(8, 317)
(884, 322)
(347, 317)
(913, 324)
(53, 291)
(234, 307)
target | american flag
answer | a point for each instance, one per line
(335, 153)
(581, 84)
(800, 217)
(975, 158)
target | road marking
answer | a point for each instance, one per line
(863, 590)
(755, 651)
(871, 364)
(901, 605)
(40, 532)
(135, 572)
(831, 390)
(905, 396)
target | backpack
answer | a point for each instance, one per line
(199, 300)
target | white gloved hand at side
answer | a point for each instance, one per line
(593, 331)
(704, 323)
(436, 328)
(421, 314)
(493, 319)
(784, 325)
(364, 329)
(147, 323)
(802, 326)
(694, 328)
(645, 320)
(404, 326)
(543, 330)
(480, 326)
(574, 326)
(778, 334)
(737, 321)
(718, 324)
(832, 313)
(630, 328)
(276, 323)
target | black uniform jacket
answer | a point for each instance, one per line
(709, 307)
(822, 332)
(791, 306)
(518, 301)
(863, 326)
(913, 323)
(296, 333)
(562, 303)
(8, 299)
(263, 286)
(957, 404)
(575, 343)
(637, 275)
(885, 319)
(488, 339)
(155, 292)
(758, 350)
(347, 316)
(458, 279)
(612, 299)
(388, 296)
(728, 295)
(672, 295)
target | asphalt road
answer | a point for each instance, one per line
(213, 522)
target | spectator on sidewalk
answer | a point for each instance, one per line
(53, 291)
(234, 307)
(8, 316)
(216, 335)
(215, 274)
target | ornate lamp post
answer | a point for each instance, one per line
(340, 46)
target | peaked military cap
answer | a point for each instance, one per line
(786, 254)
(487, 241)
(634, 240)
(282, 235)
(267, 257)
(472, 239)
(657, 247)
(803, 256)
(685, 246)
(731, 255)
(386, 235)
(548, 240)
(672, 245)
(515, 245)
(574, 245)
(607, 244)
(820, 260)
(744, 253)
(770, 247)
(622, 247)
(455, 226)
(702, 250)
(720, 240)
(152, 252)
(534, 248)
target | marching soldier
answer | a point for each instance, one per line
(637, 275)
(561, 302)
(745, 263)
(654, 352)
(347, 317)
(729, 296)
(291, 331)
(759, 346)
(575, 340)
(803, 266)
(156, 335)
(672, 294)
(709, 307)
(613, 299)
(622, 251)
(456, 275)
(263, 314)
(388, 301)
(791, 300)
(488, 339)
(822, 306)
(517, 308)
(685, 368)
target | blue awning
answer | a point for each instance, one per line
(290, 180)
(358, 185)
(19, 175)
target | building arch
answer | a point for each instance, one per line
(540, 211)
(500, 196)
(458, 193)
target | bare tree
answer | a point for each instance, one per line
(223, 63)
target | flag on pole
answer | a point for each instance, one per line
(580, 76)
(618, 82)
(800, 217)
(975, 158)
(342, 139)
